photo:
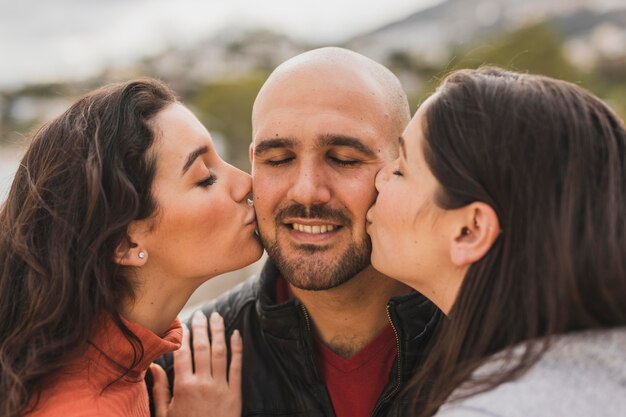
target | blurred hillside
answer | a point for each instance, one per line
(582, 41)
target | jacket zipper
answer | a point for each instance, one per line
(308, 327)
(397, 387)
(306, 317)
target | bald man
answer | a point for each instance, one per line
(324, 333)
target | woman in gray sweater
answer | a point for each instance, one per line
(507, 208)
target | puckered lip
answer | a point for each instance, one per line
(251, 217)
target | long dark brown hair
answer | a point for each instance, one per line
(84, 178)
(550, 158)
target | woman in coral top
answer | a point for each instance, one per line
(120, 209)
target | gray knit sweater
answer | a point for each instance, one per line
(581, 375)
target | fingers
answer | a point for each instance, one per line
(201, 345)
(210, 357)
(182, 359)
(218, 347)
(160, 390)
(234, 373)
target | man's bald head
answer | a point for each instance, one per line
(324, 124)
(333, 70)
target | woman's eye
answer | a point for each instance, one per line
(210, 180)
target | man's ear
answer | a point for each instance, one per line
(129, 252)
(251, 151)
(477, 230)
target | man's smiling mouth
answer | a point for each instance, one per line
(314, 229)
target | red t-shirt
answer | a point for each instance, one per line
(356, 383)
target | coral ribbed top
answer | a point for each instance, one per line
(83, 387)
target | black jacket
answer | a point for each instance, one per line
(279, 373)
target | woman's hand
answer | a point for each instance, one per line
(207, 392)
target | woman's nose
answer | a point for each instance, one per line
(382, 177)
(242, 184)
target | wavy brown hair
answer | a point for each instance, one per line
(85, 177)
(550, 159)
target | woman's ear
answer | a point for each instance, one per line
(129, 252)
(477, 230)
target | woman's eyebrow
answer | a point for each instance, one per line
(193, 156)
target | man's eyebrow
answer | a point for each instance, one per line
(342, 140)
(402, 148)
(193, 156)
(273, 143)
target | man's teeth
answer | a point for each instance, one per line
(323, 228)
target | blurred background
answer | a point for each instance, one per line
(216, 54)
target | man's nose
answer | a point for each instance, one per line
(310, 186)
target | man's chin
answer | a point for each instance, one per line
(317, 266)
(318, 271)
(312, 277)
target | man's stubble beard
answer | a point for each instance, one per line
(317, 273)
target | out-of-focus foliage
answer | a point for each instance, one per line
(225, 108)
(535, 49)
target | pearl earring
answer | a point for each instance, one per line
(141, 255)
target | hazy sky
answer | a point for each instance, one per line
(45, 39)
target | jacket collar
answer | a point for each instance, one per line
(282, 320)
(413, 315)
